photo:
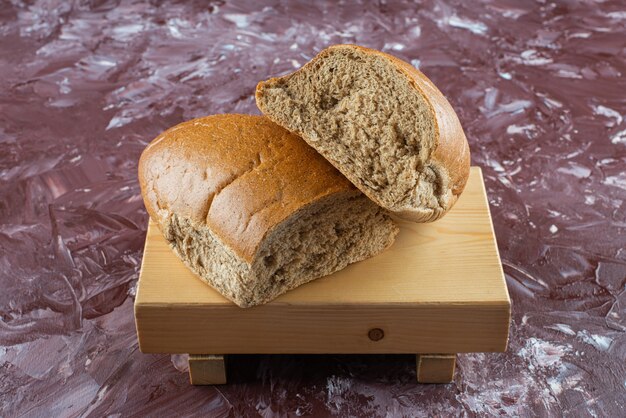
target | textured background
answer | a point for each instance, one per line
(85, 85)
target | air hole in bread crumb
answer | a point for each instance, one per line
(269, 260)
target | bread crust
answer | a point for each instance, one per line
(241, 175)
(450, 151)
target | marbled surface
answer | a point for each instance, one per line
(85, 85)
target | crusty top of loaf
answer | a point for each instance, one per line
(449, 151)
(241, 175)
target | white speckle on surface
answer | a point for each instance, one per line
(349, 32)
(416, 63)
(513, 13)
(505, 75)
(132, 290)
(568, 74)
(607, 161)
(201, 69)
(575, 170)
(293, 46)
(523, 129)
(516, 170)
(395, 46)
(180, 362)
(417, 31)
(532, 57)
(555, 385)
(98, 63)
(553, 213)
(563, 382)
(276, 60)
(103, 61)
(620, 15)
(617, 181)
(583, 35)
(491, 96)
(295, 64)
(496, 166)
(117, 122)
(609, 113)
(473, 26)
(549, 101)
(600, 342)
(62, 102)
(324, 36)
(564, 328)
(336, 388)
(126, 32)
(513, 108)
(64, 86)
(554, 229)
(619, 138)
(543, 354)
(240, 20)
(174, 31)
(590, 199)
(100, 394)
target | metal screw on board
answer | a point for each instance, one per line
(376, 334)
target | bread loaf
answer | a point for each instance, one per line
(381, 122)
(253, 210)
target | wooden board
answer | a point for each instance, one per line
(438, 289)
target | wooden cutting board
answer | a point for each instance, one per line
(438, 289)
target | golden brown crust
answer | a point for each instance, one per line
(450, 151)
(241, 175)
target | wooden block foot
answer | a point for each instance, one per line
(207, 369)
(435, 368)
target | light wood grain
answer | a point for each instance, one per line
(435, 368)
(207, 369)
(439, 288)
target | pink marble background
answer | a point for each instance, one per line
(85, 85)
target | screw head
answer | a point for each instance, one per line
(376, 334)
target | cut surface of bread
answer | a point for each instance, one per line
(253, 210)
(381, 122)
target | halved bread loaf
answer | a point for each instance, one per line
(253, 210)
(381, 122)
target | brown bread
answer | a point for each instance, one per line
(381, 122)
(253, 210)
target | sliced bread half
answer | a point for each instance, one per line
(253, 210)
(381, 122)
